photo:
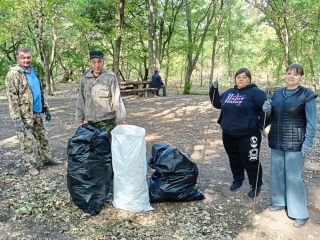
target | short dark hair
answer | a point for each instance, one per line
(243, 70)
(297, 67)
(156, 71)
(24, 50)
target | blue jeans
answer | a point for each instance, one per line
(287, 187)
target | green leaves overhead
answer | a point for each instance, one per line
(261, 35)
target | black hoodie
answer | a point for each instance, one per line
(241, 109)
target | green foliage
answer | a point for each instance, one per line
(187, 88)
(40, 71)
(4, 68)
(2, 82)
(102, 13)
(249, 37)
(24, 210)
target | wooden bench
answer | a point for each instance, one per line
(141, 88)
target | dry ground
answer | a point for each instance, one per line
(40, 207)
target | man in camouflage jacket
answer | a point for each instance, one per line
(26, 103)
(99, 101)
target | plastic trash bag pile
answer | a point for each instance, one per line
(93, 162)
(89, 172)
(175, 176)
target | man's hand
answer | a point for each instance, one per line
(19, 126)
(80, 124)
(48, 116)
(215, 84)
(267, 107)
(305, 150)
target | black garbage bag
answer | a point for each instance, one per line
(89, 175)
(175, 176)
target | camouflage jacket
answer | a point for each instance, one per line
(99, 98)
(20, 96)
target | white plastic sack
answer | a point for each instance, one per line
(130, 189)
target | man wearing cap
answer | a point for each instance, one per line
(99, 101)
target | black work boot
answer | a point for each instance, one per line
(253, 193)
(52, 162)
(235, 185)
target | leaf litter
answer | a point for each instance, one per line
(41, 208)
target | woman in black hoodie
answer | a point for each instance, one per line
(241, 119)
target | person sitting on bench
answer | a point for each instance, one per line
(157, 82)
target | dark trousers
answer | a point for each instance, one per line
(243, 152)
(164, 90)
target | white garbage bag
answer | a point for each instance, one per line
(130, 189)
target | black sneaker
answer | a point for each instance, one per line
(235, 186)
(253, 193)
(300, 222)
(276, 208)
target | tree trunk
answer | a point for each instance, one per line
(168, 64)
(39, 45)
(229, 56)
(165, 34)
(66, 74)
(315, 36)
(157, 40)
(201, 69)
(167, 72)
(287, 37)
(192, 60)
(218, 24)
(150, 41)
(117, 47)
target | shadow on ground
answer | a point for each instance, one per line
(40, 207)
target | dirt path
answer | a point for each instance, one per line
(40, 208)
